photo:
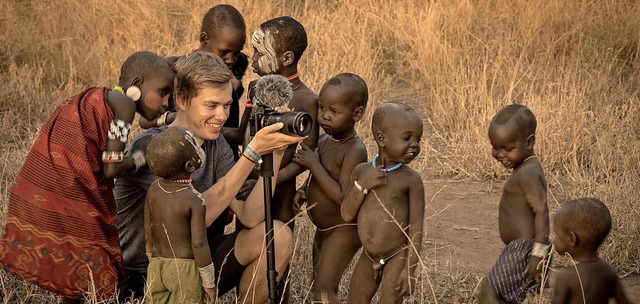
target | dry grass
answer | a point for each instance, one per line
(575, 63)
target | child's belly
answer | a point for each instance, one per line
(379, 233)
(325, 214)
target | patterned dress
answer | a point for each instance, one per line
(60, 231)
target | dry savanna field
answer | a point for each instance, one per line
(574, 63)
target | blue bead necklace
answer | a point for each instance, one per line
(375, 159)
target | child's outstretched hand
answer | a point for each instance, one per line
(306, 156)
(299, 199)
(211, 295)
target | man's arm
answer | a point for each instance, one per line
(220, 195)
(251, 211)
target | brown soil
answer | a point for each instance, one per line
(462, 228)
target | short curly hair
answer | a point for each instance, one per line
(169, 151)
(222, 15)
(589, 218)
(520, 115)
(288, 35)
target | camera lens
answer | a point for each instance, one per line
(303, 124)
(295, 123)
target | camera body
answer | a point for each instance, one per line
(296, 123)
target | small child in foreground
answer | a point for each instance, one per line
(581, 225)
(387, 198)
(341, 104)
(523, 212)
(174, 222)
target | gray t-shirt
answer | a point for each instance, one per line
(130, 192)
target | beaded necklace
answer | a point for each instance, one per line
(293, 77)
(338, 142)
(375, 159)
(119, 90)
(179, 181)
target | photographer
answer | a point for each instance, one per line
(203, 96)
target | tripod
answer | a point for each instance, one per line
(266, 171)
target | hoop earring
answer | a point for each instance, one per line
(134, 93)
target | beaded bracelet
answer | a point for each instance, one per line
(112, 156)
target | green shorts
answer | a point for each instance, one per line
(172, 280)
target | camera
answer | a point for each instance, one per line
(295, 123)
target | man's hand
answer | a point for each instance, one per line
(211, 294)
(533, 272)
(306, 157)
(268, 139)
(299, 199)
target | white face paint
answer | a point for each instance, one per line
(263, 42)
(196, 145)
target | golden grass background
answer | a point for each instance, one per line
(574, 63)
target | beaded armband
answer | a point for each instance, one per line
(112, 156)
(119, 130)
(540, 250)
(207, 274)
(162, 120)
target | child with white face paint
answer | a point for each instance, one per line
(278, 45)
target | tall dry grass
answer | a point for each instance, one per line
(574, 63)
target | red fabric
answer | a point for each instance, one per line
(60, 232)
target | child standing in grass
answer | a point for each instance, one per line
(581, 226)
(174, 222)
(341, 104)
(523, 214)
(278, 45)
(60, 231)
(387, 197)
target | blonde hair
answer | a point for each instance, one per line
(201, 70)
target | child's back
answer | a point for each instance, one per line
(174, 214)
(597, 280)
